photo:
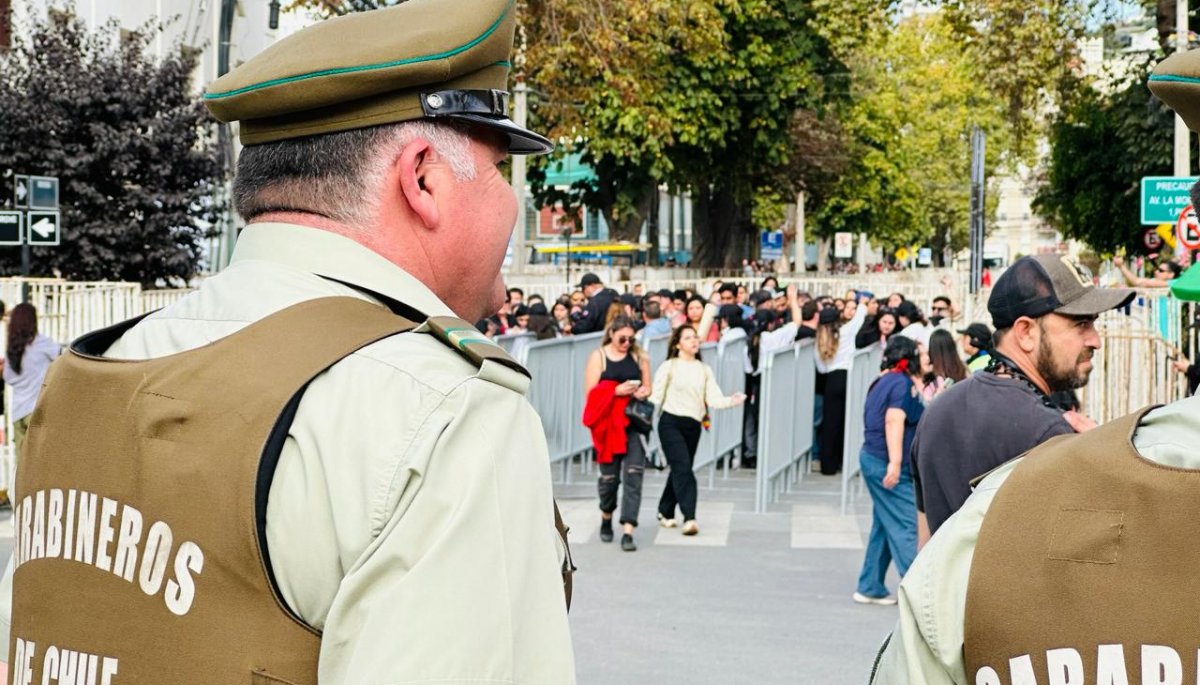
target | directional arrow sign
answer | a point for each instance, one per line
(10, 227)
(44, 228)
(21, 191)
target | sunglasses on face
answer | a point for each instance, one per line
(623, 339)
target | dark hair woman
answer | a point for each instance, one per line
(685, 389)
(25, 365)
(893, 408)
(615, 373)
(835, 356)
(946, 368)
(878, 331)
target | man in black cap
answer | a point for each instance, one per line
(1044, 309)
(977, 343)
(600, 299)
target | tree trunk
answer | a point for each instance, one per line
(629, 226)
(720, 229)
(1166, 24)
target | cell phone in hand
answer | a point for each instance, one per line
(634, 383)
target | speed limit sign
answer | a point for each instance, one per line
(1187, 229)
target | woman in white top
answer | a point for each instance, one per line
(685, 389)
(835, 355)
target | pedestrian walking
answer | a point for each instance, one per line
(315, 458)
(616, 373)
(1044, 308)
(26, 362)
(893, 408)
(685, 389)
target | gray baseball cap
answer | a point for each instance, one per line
(1038, 285)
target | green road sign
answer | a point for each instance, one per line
(1164, 197)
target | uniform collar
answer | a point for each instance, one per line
(338, 258)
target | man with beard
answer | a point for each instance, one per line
(1044, 309)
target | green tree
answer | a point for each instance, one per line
(604, 70)
(917, 96)
(129, 140)
(1100, 148)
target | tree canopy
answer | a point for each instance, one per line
(128, 139)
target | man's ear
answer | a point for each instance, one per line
(414, 166)
(1027, 334)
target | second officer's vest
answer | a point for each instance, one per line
(1087, 569)
(140, 506)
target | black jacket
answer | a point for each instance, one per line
(595, 312)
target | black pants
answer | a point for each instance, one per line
(679, 436)
(750, 419)
(633, 464)
(833, 423)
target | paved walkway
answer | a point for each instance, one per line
(755, 598)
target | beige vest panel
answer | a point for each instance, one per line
(139, 505)
(1087, 569)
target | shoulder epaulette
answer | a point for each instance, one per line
(470, 343)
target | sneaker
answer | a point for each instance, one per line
(606, 534)
(882, 601)
(690, 527)
(667, 522)
(627, 543)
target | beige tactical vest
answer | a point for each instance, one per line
(1087, 569)
(141, 499)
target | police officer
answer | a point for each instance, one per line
(594, 317)
(1076, 563)
(313, 470)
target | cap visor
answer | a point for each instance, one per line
(520, 141)
(1097, 301)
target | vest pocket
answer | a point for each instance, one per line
(1089, 536)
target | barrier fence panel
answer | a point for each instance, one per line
(706, 452)
(727, 423)
(515, 343)
(802, 412)
(581, 437)
(775, 432)
(657, 349)
(863, 372)
(554, 397)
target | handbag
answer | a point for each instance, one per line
(641, 415)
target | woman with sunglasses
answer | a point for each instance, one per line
(616, 372)
(685, 389)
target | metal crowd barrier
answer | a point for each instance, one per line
(515, 343)
(556, 393)
(786, 397)
(863, 372)
(730, 370)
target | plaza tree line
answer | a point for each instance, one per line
(741, 104)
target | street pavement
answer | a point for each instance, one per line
(761, 599)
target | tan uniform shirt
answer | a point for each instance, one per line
(926, 647)
(410, 517)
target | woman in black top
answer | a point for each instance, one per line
(620, 359)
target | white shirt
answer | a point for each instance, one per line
(844, 358)
(410, 517)
(687, 388)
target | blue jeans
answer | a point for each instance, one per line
(893, 525)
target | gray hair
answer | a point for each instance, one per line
(336, 174)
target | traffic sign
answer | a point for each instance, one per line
(11, 225)
(1164, 196)
(43, 192)
(925, 256)
(843, 245)
(20, 191)
(44, 228)
(771, 245)
(1152, 240)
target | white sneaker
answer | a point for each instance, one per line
(690, 528)
(666, 522)
(882, 601)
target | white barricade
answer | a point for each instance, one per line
(556, 392)
(730, 371)
(864, 372)
(706, 451)
(785, 420)
(657, 349)
(515, 343)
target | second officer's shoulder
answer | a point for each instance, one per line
(444, 352)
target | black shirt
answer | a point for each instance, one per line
(975, 426)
